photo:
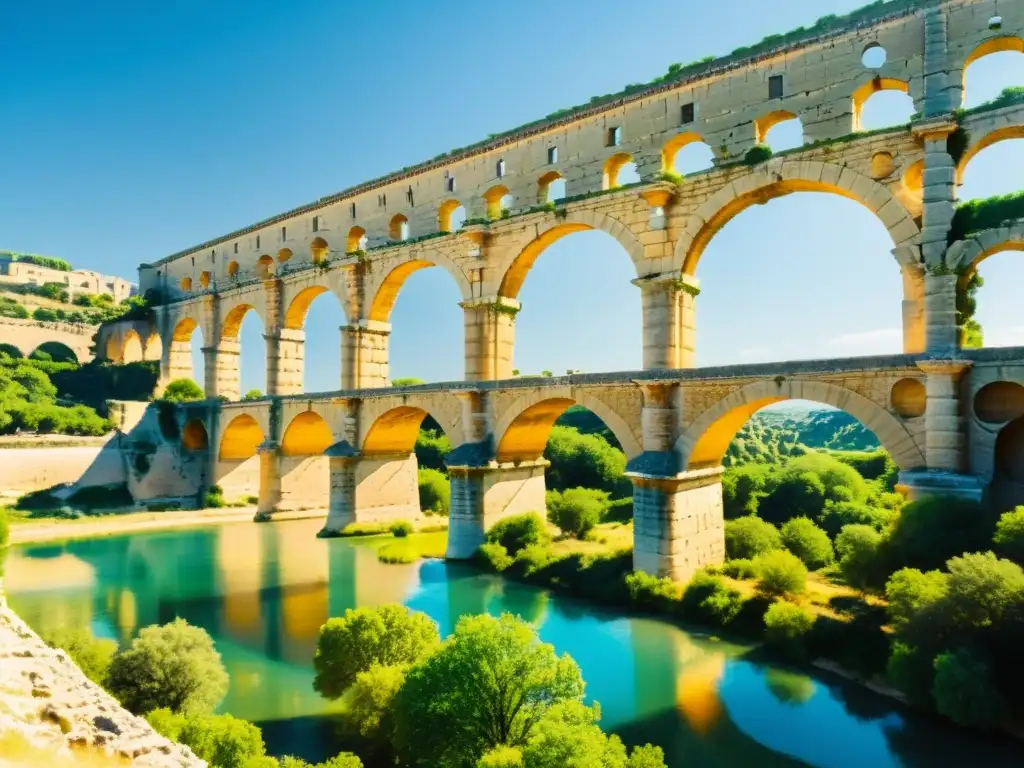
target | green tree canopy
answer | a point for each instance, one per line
(183, 391)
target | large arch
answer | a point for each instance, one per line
(704, 443)
(240, 438)
(964, 256)
(305, 470)
(526, 254)
(1000, 44)
(779, 178)
(385, 292)
(131, 347)
(298, 307)
(522, 431)
(232, 322)
(306, 435)
(237, 470)
(395, 431)
(984, 141)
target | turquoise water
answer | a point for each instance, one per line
(262, 591)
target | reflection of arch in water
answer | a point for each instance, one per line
(240, 557)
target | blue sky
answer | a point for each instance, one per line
(133, 130)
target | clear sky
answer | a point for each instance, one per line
(132, 130)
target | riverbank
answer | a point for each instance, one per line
(51, 714)
(26, 529)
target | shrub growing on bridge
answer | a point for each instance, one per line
(183, 391)
(173, 666)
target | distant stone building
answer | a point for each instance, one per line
(79, 281)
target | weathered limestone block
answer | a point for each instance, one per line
(285, 363)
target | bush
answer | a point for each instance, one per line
(837, 515)
(516, 532)
(91, 654)
(222, 740)
(173, 666)
(534, 557)
(930, 531)
(214, 498)
(576, 511)
(750, 536)
(757, 154)
(786, 628)
(808, 542)
(389, 635)
(1009, 535)
(252, 394)
(780, 573)
(400, 529)
(584, 461)
(492, 554)
(435, 491)
(740, 568)
(857, 547)
(707, 599)
(183, 391)
(651, 592)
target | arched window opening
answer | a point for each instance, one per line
(1007, 489)
(131, 348)
(991, 68)
(685, 154)
(186, 283)
(233, 269)
(499, 202)
(450, 216)
(284, 255)
(319, 251)
(410, 293)
(398, 230)
(880, 103)
(317, 312)
(605, 332)
(781, 131)
(265, 267)
(550, 187)
(619, 170)
(874, 56)
(788, 261)
(60, 353)
(204, 280)
(356, 240)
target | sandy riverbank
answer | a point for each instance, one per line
(34, 531)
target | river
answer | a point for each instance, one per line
(262, 592)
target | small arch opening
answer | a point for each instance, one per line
(186, 283)
(550, 187)
(619, 170)
(992, 67)
(450, 216)
(780, 130)
(999, 402)
(194, 436)
(882, 102)
(356, 240)
(318, 250)
(398, 229)
(204, 280)
(499, 202)
(284, 255)
(265, 267)
(233, 269)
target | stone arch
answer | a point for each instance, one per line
(233, 317)
(544, 186)
(284, 255)
(521, 433)
(986, 140)
(996, 44)
(868, 89)
(493, 198)
(240, 439)
(233, 269)
(132, 350)
(611, 168)
(186, 283)
(672, 147)
(183, 329)
(306, 435)
(765, 123)
(152, 346)
(194, 436)
(781, 177)
(577, 221)
(703, 443)
(355, 241)
(964, 256)
(385, 292)
(444, 214)
(298, 307)
(265, 267)
(319, 251)
(395, 431)
(398, 229)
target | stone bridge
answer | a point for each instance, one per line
(361, 244)
(26, 336)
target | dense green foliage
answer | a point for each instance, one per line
(786, 627)
(577, 510)
(584, 461)
(432, 446)
(989, 213)
(780, 573)
(808, 542)
(774, 435)
(173, 666)
(92, 654)
(930, 531)
(388, 635)
(518, 532)
(857, 548)
(1009, 535)
(182, 391)
(49, 262)
(28, 401)
(435, 491)
(708, 599)
(750, 536)
(959, 634)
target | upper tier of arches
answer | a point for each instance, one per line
(729, 107)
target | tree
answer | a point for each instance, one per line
(857, 549)
(780, 573)
(747, 537)
(173, 666)
(489, 684)
(964, 692)
(501, 757)
(435, 491)
(408, 381)
(743, 488)
(389, 635)
(839, 514)
(909, 591)
(252, 394)
(1009, 535)
(577, 510)
(930, 531)
(786, 627)
(369, 702)
(92, 655)
(808, 542)
(518, 532)
(584, 461)
(183, 391)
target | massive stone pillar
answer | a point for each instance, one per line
(483, 495)
(285, 364)
(942, 335)
(223, 378)
(370, 488)
(914, 332)
(269, 499)
(669, 316)
(341, 509)
(176, 362)
(364, 355)
(490, 332)
(678, 522)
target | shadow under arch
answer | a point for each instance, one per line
(522, 432)
(526, 255)
(778, 179)
(704, 443)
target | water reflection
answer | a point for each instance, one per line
(263, 591)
